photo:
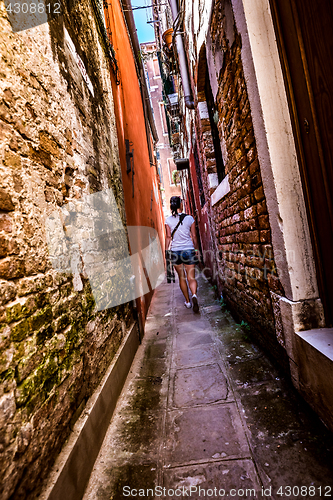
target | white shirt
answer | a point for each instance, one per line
(182, 238)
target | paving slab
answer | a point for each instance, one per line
(216, 308)
(199, 385)
(240, 351)
(204, 433)
(223, 478)
(124, 444)
(158, 329)
(147, 394)
(251, 372)
(199, 338)
(195, 356)
(195, 326)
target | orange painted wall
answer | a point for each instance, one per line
(140, 210)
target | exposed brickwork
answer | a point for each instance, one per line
(57, 143)
(240, 222)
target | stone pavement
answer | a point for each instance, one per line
(203, 407)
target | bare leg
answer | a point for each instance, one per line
(192, 282)
(182, 281)
(190, 272)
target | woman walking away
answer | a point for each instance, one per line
(180, 232)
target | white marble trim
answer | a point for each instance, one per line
(222, 189)
(321, 339)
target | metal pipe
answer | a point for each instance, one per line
(189, 103)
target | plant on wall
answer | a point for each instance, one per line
(175, 177)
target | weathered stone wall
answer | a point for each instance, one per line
(57, 143)
(246, 268)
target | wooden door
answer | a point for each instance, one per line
(304, 30)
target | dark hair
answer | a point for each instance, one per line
(175, 202)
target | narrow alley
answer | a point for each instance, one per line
(201, 134)
(204, 408)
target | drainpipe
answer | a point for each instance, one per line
(189, 103)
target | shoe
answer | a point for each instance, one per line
(188, 305)
(195, 304)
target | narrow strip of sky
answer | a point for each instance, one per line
(141, 16)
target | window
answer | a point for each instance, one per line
(171, 168)
(163, 118)
(212, 111)
(160, 173)
(198, 172)
(156, 67)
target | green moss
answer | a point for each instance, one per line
(66, 290)
(60, 308)
(20, 351)
(62, 322)
(77, 310)
(75, 335)
(72, 334)
(69, 315)
(7, 375)
(18, 310)
(50, 383)
(42, 299)
(20, 331)
(25, 390)
(43, 379)
(48, 369)
(13, 312)
(88, 303)
(44, 334)
(71, 360)
(41, 318)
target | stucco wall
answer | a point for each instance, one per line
(166, 162)
(141, 185)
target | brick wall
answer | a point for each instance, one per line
(57, 143)
(246, 269)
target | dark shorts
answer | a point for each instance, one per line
(186, 257)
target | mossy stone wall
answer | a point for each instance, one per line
(58, 143)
